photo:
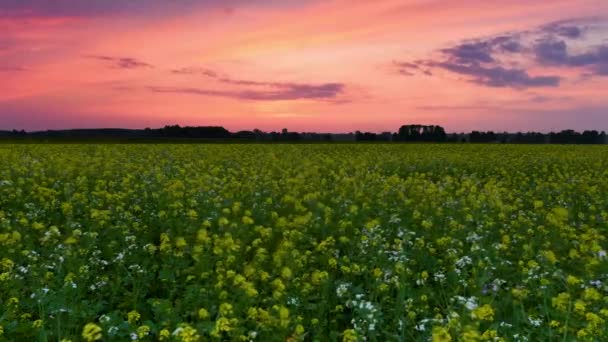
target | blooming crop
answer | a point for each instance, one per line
(303, 242)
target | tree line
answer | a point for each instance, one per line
(406, 133)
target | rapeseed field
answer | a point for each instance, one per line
(303, 243)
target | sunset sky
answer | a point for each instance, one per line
(307, 65)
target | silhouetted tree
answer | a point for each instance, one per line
(421, 133)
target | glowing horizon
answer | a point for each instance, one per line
(326, 66)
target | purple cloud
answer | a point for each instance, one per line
(498, 76)
(16, 8)
(551, 52)
(228, 80)
(571, 29)
(288, 91)
(555, 53)
(506, 44)
(97, 8)
(476, 59)
(474, 52)
(282, 90)
(503, 60)
(122, 62)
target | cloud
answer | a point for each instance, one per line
(195, 71)
(551, 52)
(498, 76)
(505, 60)
(506, 43)
(475, 52)
(26, 8)
(289, 91)
(277, 91)
(12, 69)
(477, 59)
(219, 77)
(555, 53)
(56, 8)
(98, 8)
(122, 62)
(571, 29)
(411, 68)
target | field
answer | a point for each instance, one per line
(303, 242)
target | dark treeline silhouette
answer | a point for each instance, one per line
(406, 133)
(421, 133)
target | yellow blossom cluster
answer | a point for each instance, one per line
(303, 242)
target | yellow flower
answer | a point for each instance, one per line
(470, 334)
(318, 277)
(572, 280)
(180, 242)
(143, 331)
(203, 314)
(582, 333)
(591, 294)
(594, 323)
(164, 335)
(225, 309)
(7, 264)
(349, 335)
(133, 317)
(247, 220)
(550, 256)
(378, 272)
(91, 332)
(427, 224)
(489, 335)
(299, 329)
(519, 293)
(70, 240)
(561, 302)
(441, 334)
(484, 313)
(286, 273)
(580, 307)
(221, 325)
(186, 333)
(192, 214)
(165, 242)
(284, 316)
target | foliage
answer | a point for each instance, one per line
(303, 242)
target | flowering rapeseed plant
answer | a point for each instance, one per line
(303, 242)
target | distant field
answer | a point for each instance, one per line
(303, 242)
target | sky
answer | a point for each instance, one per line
(305, 65)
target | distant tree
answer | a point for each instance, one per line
(421, 133)
(367, 136)
(482, 137)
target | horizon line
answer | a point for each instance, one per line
(300, 132)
